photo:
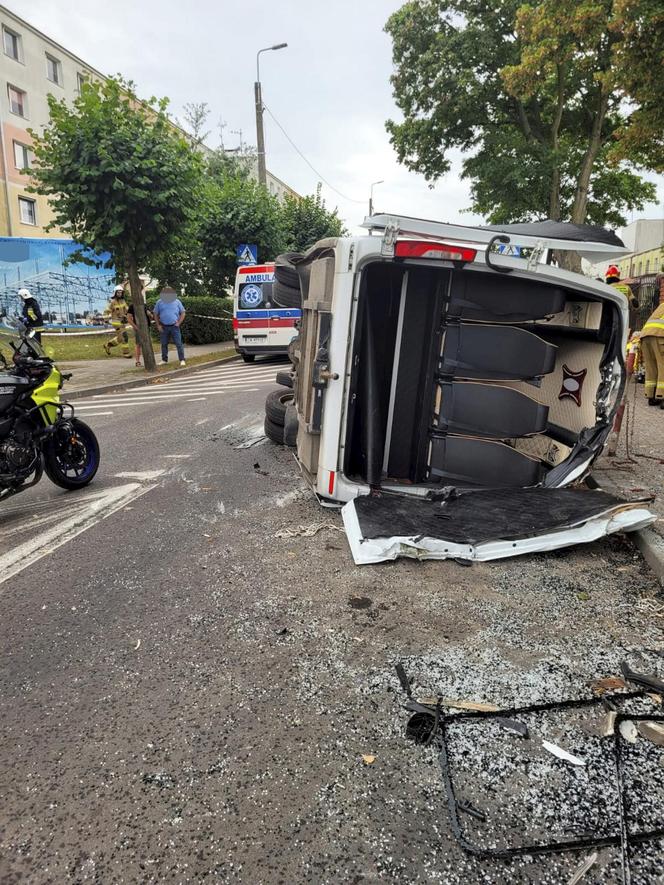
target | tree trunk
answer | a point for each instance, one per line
(580, 207)
(140, 318)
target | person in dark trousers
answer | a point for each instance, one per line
(169, 314)
(31, 314)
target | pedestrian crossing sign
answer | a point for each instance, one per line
(247, 253)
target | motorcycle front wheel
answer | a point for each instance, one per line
(71, 460)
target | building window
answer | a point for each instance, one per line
(27, 211)
(53, 70)
(81, 80)
(12, 44)
(17, 101)
(23, 156)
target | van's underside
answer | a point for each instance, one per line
(462, 377)
(476, 379)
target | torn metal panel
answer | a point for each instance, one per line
(485, 525)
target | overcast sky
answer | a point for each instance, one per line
(329, 89)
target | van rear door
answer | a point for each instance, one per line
(485, 524)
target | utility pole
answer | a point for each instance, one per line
(258, 99)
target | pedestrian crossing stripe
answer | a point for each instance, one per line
(197, 387)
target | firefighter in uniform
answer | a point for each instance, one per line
(117, 312)
(31, 314)
(613, 279)
(652, 354)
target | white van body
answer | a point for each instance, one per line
(259, 325)
(431, 369)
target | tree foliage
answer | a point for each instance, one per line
(306, 220)
(535, 96)
(237, 210)
(118, 177)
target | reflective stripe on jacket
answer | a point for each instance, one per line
(654, 325)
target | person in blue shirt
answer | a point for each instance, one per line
(169, 314)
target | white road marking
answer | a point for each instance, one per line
(178, 457)
(87, 404)
(144, 476)
(95, 507)
(164, 388)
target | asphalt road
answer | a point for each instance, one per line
(185, 696)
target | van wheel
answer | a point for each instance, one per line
(284, 271)
(285, 379)
(275, 405)
(248, 357)
(286, 296)
(273, 431)
(291, 425)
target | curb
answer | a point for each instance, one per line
(651, 546)
(649, 542)
(127, 385)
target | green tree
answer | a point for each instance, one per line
(535, 98)
(118, 178)
(237, 210)
(306, 220)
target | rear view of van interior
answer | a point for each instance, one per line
(472, 378)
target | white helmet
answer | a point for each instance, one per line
(118, 289)
(24, 293)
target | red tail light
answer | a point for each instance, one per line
(425, 249)
(235, 323)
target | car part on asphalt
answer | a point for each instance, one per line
(483, 524)
(286, 296)
(513, 725)
(275, 405)
(273, 431)
(624, 838)
(285, 379)
(651, 683)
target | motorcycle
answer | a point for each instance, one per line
(38, 433)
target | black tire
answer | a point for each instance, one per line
(285, 379)
(71, 460)
(286, 296)
(291, 425)
(275, 405)
(284, 270)
(248, 357)
(273, 431)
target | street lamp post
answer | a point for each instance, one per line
(373, 184)
(260, 135)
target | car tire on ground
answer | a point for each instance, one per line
(275, 405)
(291, 425)
(286, 296)
(285, 379)
(248, 357)
(273, 431)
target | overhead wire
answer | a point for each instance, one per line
(310, 165)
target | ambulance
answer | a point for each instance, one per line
(259, 325)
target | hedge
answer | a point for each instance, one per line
(198, 328)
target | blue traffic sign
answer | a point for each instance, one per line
(247, 253)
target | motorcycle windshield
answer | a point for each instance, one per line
(15, 338)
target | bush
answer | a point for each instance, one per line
(198, 328)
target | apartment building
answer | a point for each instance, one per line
(32, 66)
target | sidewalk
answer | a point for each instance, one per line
(93, 374)
(637, 469)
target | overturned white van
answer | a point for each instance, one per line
(454, 397)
